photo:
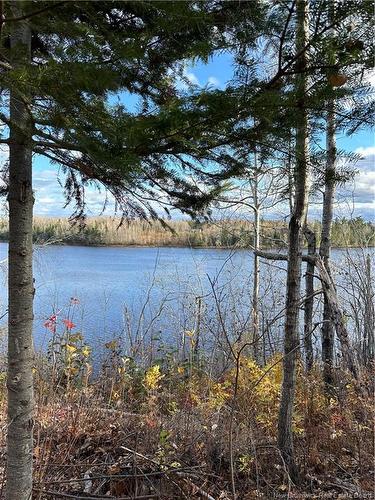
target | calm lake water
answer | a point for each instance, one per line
(144, 291)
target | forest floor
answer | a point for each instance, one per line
(172, 431)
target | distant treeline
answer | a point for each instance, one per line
(218, 234)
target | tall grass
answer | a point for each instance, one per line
(220, 234)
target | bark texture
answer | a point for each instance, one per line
(337, 320)
(255, 297)
(309, 301)
(301, 182)
(325, 242)
(21, 289)
(256, 243)
(369, 320)
(284, 256)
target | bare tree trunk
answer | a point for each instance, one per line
(325, 238)
(198, 301)
(290, 177)
(336, 315)
(325, 243)
(369, 316)
(301, 179)
(309, 301)
(21, 288)
(255, 298)
(336, 318)
(256, 244)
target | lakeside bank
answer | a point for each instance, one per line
(107, 231)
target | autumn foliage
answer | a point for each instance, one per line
(130, 429)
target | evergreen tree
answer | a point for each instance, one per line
(61, 64)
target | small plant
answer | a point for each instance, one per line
(68, 353)
(152, 378)
(245, 463)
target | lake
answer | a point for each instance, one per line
(143, 293)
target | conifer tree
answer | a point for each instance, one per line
(61, 65)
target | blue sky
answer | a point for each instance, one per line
(49, 195)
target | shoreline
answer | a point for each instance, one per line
(191, 247)
(239, 234)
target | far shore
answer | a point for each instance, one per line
(225, 234)
(171, 246)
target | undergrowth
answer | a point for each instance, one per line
(176, 430)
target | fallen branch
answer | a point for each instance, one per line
(329, 291)
(281, 256)
(337, 318)
(56, 494)
(197, 489)
(125, 476)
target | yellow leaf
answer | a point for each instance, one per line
(113, 344)
(152, 377)
(75, 337)
(73, 370)
(115, 395)
(71, 348)
(86, 351)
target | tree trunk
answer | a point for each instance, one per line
(256, 243)
(369, 316)
(301, 180)
(325, 243)
(336, 318)
(309, 301)
(21, 288)
(325, 238)
(336, 315)
(197, 329)
(255, 297)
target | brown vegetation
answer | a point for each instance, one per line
(216, 234)
(166, 432)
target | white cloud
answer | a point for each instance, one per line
(4, 152)
(364, 187)
(189, 75)
(356, 197)
(212, 80)
(370, 77)
(190, 78)
(359, 194)
(366, 151)
(50, 200)
(46, 200)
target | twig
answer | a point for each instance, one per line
(198, 489)
(56, 494)
(123, 476)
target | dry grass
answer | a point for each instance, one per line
(170, 439)
(223, 233)
(108, 231)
